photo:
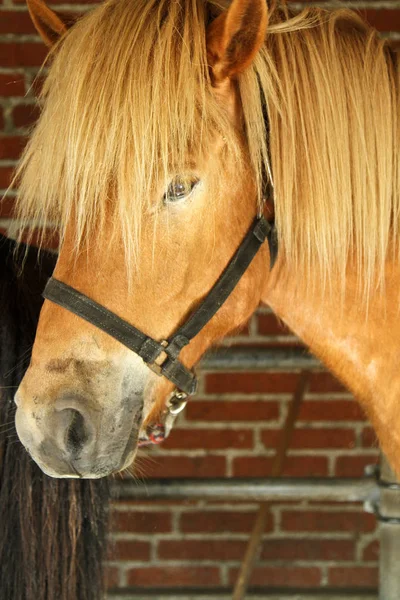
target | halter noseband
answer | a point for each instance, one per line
(163, 357)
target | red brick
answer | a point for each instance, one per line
(11, 147)
(371, 551)
(221, 549)
(6, 174)
(12, 84)
(220, 521)
(211, 439)
(312, 438)
(226, 411)
(124, 550)
(16, 22)
(295, 466)
(353, 466)
(309, 549)
(186, 466)
(1, 119)
(28, 54)
(353, 576)
(368, 438)
(331, 410)
(282, 576)
(251, 383)
(141, 521)
(325, 382)
(382, 20)
(6, 207)
(269, 324)
(25, 115)
(174, 576)
(299, 520)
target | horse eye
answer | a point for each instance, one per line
(179, 189)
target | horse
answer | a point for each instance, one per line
(52, 541)
(172, 132)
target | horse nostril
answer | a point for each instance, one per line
(76, 434)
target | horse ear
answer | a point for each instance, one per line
(235, 36)
(48, 24)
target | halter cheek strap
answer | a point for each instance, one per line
(163, 357)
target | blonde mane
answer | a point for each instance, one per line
(128, 95)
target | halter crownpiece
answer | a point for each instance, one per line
(163, 357)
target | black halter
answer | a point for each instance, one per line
(163, 357)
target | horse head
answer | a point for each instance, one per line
(160, 189)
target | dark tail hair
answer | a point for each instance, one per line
(52, 531)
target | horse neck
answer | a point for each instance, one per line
(361, 350)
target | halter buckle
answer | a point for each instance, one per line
(156, 366)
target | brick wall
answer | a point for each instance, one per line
(231, 428)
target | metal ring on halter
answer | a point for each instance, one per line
(176, 402)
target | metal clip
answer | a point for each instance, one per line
(176, 402)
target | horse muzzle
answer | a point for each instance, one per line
(75, 438)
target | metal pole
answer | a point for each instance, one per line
(363, 489)
(389, 532)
